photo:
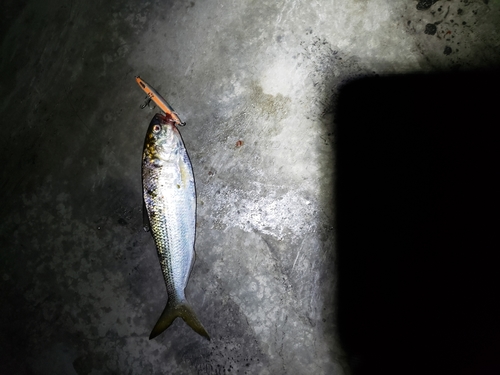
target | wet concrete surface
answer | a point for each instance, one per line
(257, 84)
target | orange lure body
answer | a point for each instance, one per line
(159, 101)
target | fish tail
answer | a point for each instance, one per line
(174, 310)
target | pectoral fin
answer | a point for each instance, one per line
(145, 218)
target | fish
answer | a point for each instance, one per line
(169, 202)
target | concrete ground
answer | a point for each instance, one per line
(81, 286)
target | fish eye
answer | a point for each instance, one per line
(156, 128)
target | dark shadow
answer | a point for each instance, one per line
(417, 190)
(10, 11)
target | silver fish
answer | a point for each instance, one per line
(170, 203)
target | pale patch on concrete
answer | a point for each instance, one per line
(275, 212)
(282, 76)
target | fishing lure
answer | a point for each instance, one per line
(159, 101)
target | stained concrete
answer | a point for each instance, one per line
(81, 285)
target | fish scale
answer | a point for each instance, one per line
(170, 203)
(174, 250)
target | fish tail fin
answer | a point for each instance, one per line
(173, 311)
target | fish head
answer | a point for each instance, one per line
(163, 141)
